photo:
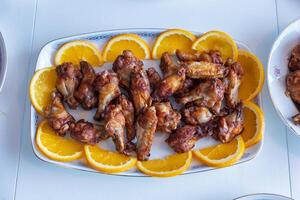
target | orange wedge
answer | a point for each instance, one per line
(107, 161)
(56, 147)
(170, 166)
(221, 155)
(116, 45)
(171, 40)
(217, 40)
(77, 51)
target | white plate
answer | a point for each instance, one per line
(263, 196)
(2, 61)
(159, 148)
(277, 71)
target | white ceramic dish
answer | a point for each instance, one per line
(263, 196)
(2, 61)
(160, 148)
(277, 71)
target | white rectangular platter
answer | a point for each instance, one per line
(160, 148)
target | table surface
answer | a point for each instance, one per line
(28, 25)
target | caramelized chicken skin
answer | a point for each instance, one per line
(294, 62)
(169, 85)
(85, 132)
(107, 86)
(296, 119)
(196, 115)
(85, 93)
(140, 89)
(211, 57)
(115, 126)
(145, 129)
(231, 125)
(183, 139)
(208, 94)
(154, 77)
(293, 85)
(232, 82)
(124, 65)
(128, 112)
(68, 79)
(58, 118)
(167, 66)
(168, 118)
(203, 70)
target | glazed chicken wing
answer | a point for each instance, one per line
(128, 112)
(208, 94)
(202, 70)
(58, 118)
(294, 62)
(68, 78)
(196, 115)
(167, 66)
(115, 126)
(187, 86)
(169, 85)
(231, 125)
(154, 77)
(293, 85)
(145, 129)
(85, 93)
(107, 85)
(85, 132)
(296, 119)
(124, 65)
(232, 82)
(140, 89)
(183, 139)
(211, 57)
(168, 118)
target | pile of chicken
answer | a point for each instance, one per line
(293, 80)
(133, 103)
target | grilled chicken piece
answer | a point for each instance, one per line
(154, 77)
(85, 132)
(207, 94)
(128, 112)
(293, 85)
(58, 118)
(169, 85)
(167, 66)
(145, 129)
(203, 70)
(168, 118)
(107, 85)
(68, 79)
(212, 56)
(187, 86)
(296, 119)
(115, 126)
(232, 82)
(294, 62)
(100, 126)
(231, 125)
(140, 89)
(85, 93)
(196, 115)
(184, 138)
(124, 65)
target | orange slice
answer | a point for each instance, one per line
(170, 166)
(107, 161)
(41, 86)
(253, 78)
(221, 155)
(116, 45)
(56, 147)
(171, 40)
(217, 40)
(77, 51)
(253, 124)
